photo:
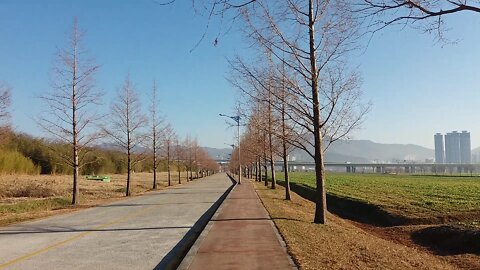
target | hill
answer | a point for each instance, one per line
(354, 151)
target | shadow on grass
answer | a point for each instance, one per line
(441, 239)
(449, 239)
(351, 209)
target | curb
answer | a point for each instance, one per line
(187, 261)
(181, 252)
(279, 236)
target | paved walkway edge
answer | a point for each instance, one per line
(174, 258)
(279, 236)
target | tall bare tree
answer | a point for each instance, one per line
(312, 39)
(195, 155)
(187, 151)
(179, 154)
(5, 101)
(156, 132)
(127, 125)
(169, 140)
(70, 104)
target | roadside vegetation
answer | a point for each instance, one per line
(437, 215)
(339, 244)
(24, 197)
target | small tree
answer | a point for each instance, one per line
(70, 112)
(157, 132)
(127, 125)
(5, 99)
(169, 140)
(187, 147)
(179, 152)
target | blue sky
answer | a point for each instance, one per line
(417, 87)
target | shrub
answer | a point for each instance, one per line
(13, 162)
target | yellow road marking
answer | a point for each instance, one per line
(35, 253)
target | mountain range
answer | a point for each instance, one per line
(355, 151)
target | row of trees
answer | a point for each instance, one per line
(74, 122)
(300, 90)
(37, 155)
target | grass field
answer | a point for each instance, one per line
(410, 196)
(24, 197)
(340, 244)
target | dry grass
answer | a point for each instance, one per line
(339, 244)
(25, 197)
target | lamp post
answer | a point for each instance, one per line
(236, 118)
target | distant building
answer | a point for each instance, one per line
(465, 148)
(476, 158)
(452, 147)
(457, 148)
(439, 151)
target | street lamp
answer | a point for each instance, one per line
(236, 118)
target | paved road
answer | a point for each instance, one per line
(135, 233)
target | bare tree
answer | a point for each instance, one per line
(195, 155)
(70, 112)
(179, 152)
(286, 134)
(157, 132)
(187, 151)
(312, 39)
(5, 101)
(169, 139)
(127, 125)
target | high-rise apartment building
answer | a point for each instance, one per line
(457, 147)
(452, 147)
(439, 152)
(465, 148)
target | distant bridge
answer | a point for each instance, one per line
(379, 167)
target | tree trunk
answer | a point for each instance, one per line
(154, 169)
(272, 168)
(270, 139)
(285, 156)
(265, 159)
(259, 170)
(320, 196)
(74, 127)
(168, 165)
(179, 176)
(129, 170)
(266, 172)
(285, 172)
(155, 177)
(75, 194)
(284, 143)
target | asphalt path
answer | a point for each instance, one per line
(135, 233)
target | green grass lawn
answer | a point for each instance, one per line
(415, 196)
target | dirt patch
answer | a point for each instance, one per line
(339, 244)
